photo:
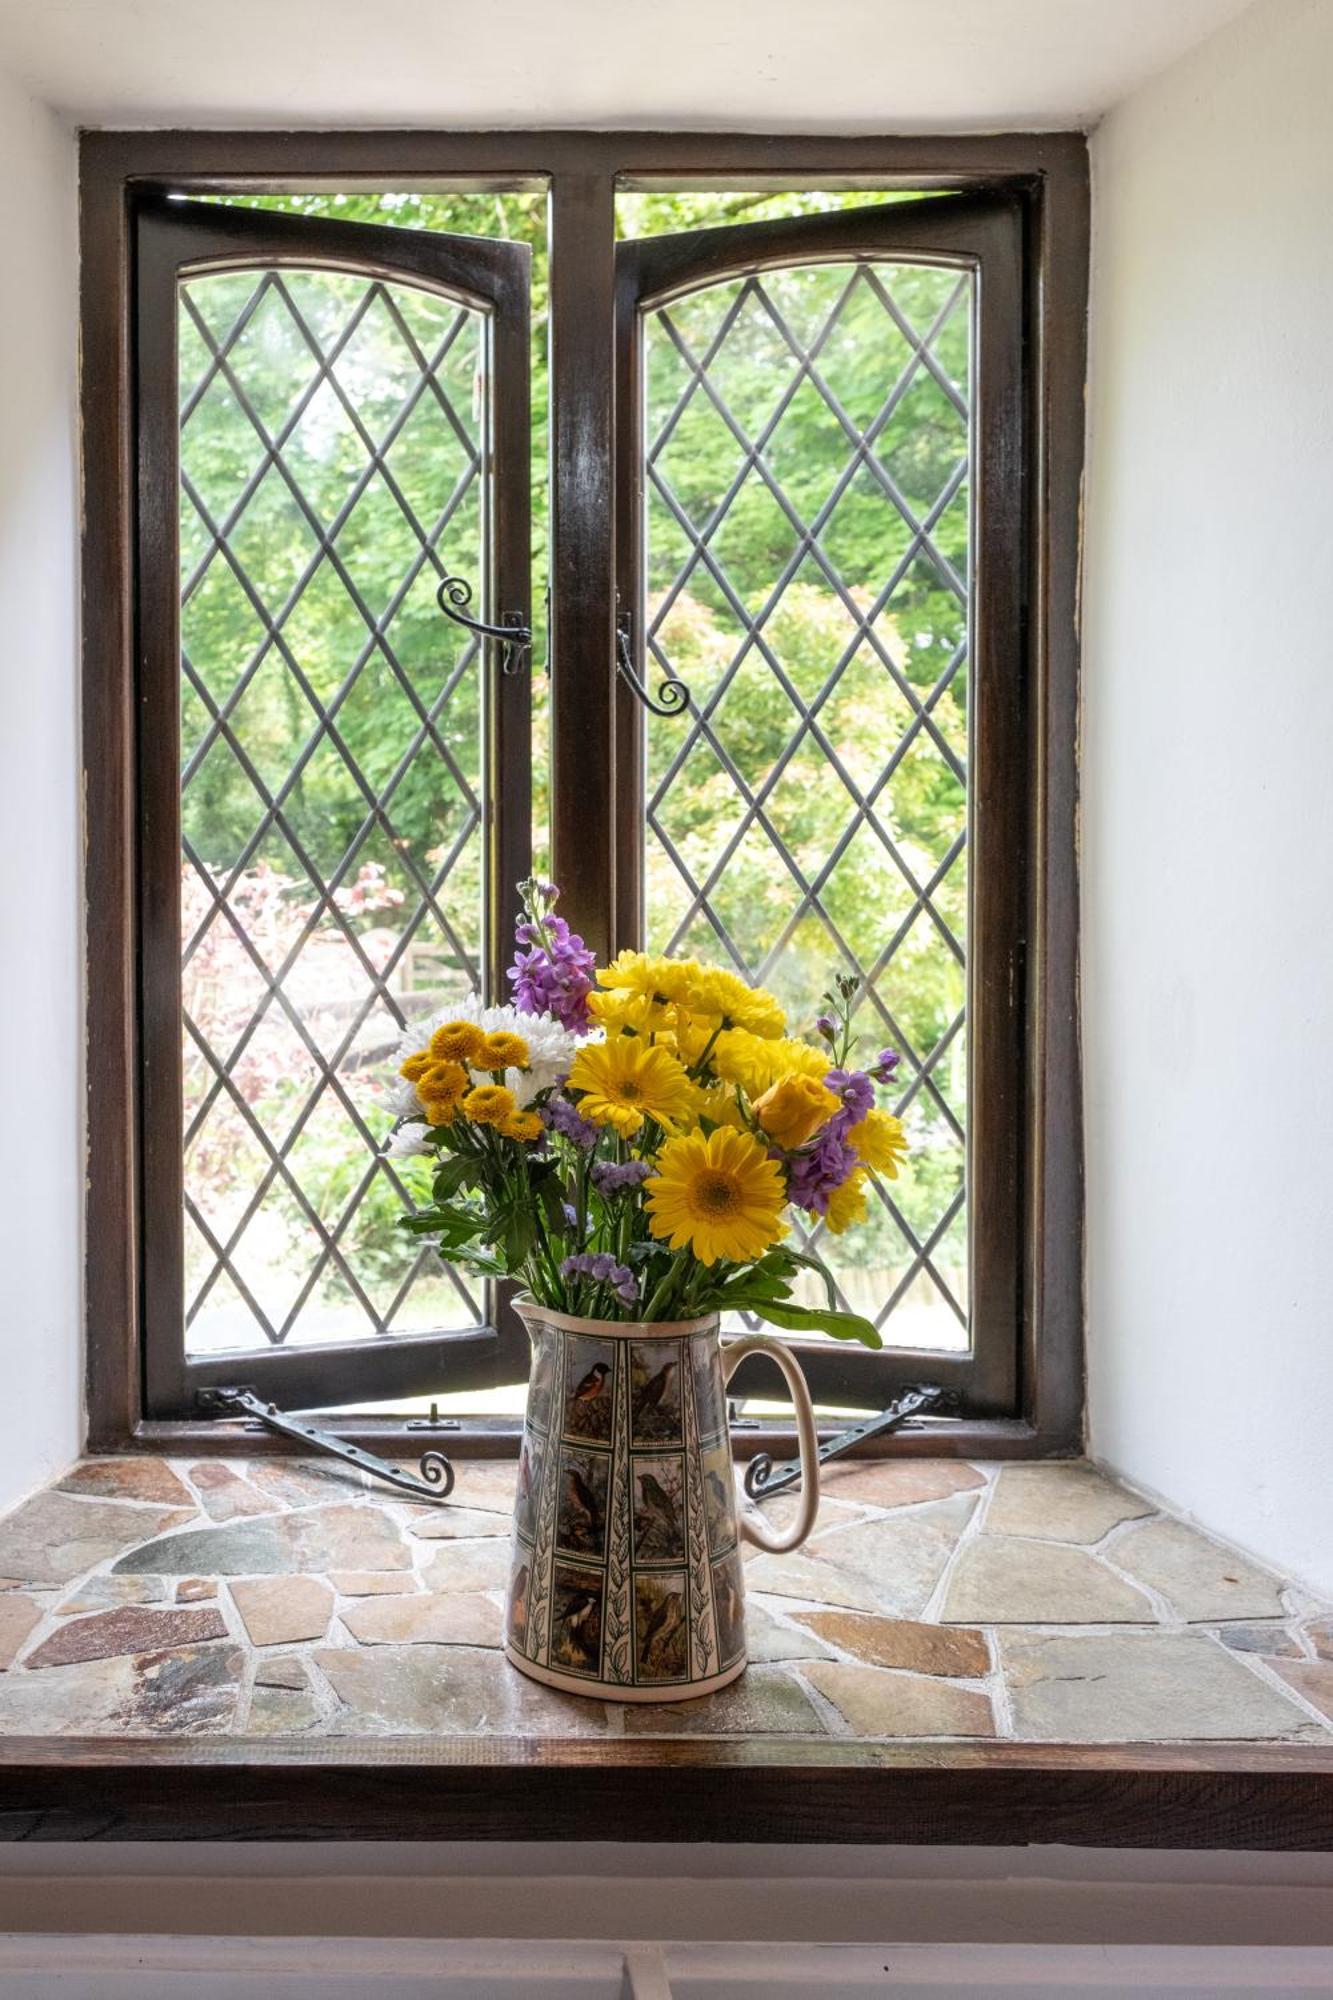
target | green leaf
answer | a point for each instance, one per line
(809, 1319)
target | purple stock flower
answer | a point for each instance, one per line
(603, 1269)
(826, 1026)
(885, 1063)
(817, 1174)
(856, 1093)
(613, 1176)
(554, 976)
(559, 1116)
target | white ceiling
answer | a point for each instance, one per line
(812, 65)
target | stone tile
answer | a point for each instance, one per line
(799, 1576)
(488, 1483)
(1271, 1640)
(102, 1593)
(469, 1566)
(1000, 1580)
(769, 1640)
(190, 1692)
(463, 1620)
(897, 1561)
(874, 1703)
(1199, 1579)
(134, 1628)
(1311, 1678)
(127, 1479)
(19, 1617)
(1320, 1634)
(440, 1690)
(372, 1582)
(185, 1692)
(1129, 1687)
(898, 1482)
(1060, 1503)
(901, 1642)
(299, 1482)
(55, 1537)
(763, 1702)
(190, 1589)
(779, 1513)
(225, 1494)
(284, 1544)
(282, 1711)
(447, 1524)
(276, 1672)
(279, 1611)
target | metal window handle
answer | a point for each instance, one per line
(513, 637)
(673, 697)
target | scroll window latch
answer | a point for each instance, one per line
(673, 696)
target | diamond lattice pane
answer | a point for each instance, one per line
(332, 442)
(808, 529)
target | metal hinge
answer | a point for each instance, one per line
(437, 1474)
(763, 1478)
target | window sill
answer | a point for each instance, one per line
(272, 1649)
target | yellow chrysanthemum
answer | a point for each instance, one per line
(847, 1204)
(626, 1080)
(756, 1062)
(722, 997)
(662, 984)
(416, 1065)
(501, 1050)
(456, 1041)
(720, 1196)
(489, 1104)
(718, 1105)
(523, 1125)
(620, 1010)
(880, 1141)
(439, 1110)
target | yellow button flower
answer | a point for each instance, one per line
(501, 1050)
(793, 1109)
(456, 1041)
(522, 1125)
(489, 1104)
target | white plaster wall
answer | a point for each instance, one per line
(41, 975)
(1208, 787)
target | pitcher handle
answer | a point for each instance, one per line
(750, 1528)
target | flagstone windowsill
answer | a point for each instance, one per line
(962, 1651)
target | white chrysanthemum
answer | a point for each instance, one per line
(408, 1142)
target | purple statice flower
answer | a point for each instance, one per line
(820, 1171)
(558, 1115)
(613, 1176)
(554, 976)
(571, 1214)
(856, 1093)
(885, 1063)
(603, 1269)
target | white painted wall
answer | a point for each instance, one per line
(41, 979)
(1208, 787)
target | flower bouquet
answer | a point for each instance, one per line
(628, 1142)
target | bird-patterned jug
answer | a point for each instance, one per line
(626, 1579)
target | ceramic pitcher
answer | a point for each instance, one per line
(626, 1580)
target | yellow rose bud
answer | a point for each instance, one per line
(793, 1110)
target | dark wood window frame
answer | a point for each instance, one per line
(1047, 175)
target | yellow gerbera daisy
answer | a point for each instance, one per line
(847, 1204)
(489, 1104)
(880, 1141)
(522, 1125)
(626, 1080)
(501, 1050)
(719, 1196)
(456, 1041)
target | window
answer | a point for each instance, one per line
(801, 701)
